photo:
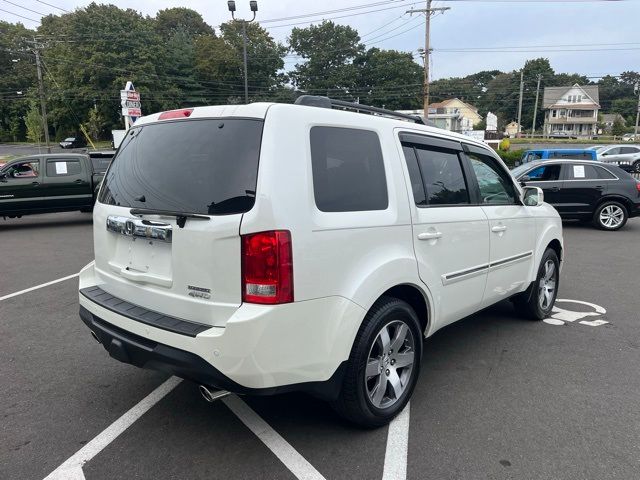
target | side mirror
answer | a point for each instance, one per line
(524, 179)
(532, 196)
(605, 154)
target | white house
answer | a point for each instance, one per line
(572, 111)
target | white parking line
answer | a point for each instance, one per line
(71, 469)
(288, 455)
(395, 458)
(11, 295)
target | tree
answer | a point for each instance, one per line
(618, 128)
(33, 123)
(181, 20)
(388, 78)
(95, 124)
(328, 51)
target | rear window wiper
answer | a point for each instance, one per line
(181, 217)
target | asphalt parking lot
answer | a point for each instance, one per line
(499, 397)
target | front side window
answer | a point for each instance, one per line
(612, 151)
(442, 175)
(348, 170)
(545, 173)
(207, 167)
(29, 169)
(495, 186)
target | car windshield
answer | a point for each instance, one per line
(70, 139)
(205, 167)
(516, 172)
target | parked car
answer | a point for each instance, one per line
(49, 183)
(561, 134)
(73, 142)
(321, 270)
(629, 137)
(545, 154)
(626, 157)
(600, 192)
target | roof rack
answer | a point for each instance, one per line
(326, 102)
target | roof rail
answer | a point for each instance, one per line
(326, 102)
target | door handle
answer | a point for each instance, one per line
(35, 183)
(498, 229)
(429, 236)
(555, 189)
(79, 181)
(599, 187)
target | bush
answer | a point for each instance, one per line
(510, 158)
(505, 145)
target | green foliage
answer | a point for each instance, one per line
(94, 125)
(510, 157)
(505, 145)
(618, 128)
(33, 123)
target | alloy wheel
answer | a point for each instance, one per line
(389, 364)
(611, 216)
(547, 285)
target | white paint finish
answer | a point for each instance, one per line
(395, 458)
(560, 315)
(288, 455)
(593, 323)
(53, 282)
(72, 467)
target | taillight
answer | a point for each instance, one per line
(267, 267)
(638, 185)
(182, 113)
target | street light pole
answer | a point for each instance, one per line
(637, 113)
(231, 4)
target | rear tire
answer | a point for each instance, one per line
(537, 302)
(636, 167)
(610, 216)
(383, 366)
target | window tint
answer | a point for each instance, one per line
(417, 186)
(582, 172)
(63, 167)
(348, 170)
(496, 187)
(604, 173)
(545, 173)
(624, 150)
(612, 151)
(30, 169)
(443, 178)
(208, 167)
(575, 156)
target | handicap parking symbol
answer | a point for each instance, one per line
(562, 316)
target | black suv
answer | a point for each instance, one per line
(585, 190)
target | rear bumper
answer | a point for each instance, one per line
(262, 349)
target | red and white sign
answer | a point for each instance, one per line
(131, 112)
(129, 95)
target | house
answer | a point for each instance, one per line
(453, 115)
(608, 119)
(512, 129)
(571, 111)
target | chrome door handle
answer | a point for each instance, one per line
(429, 235)
(498, 229)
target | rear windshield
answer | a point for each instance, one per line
(207, 167)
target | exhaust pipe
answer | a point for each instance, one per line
(95, 337)
(210, 396)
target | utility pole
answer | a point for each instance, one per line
(43, 102)
(520, 102)
(637, 90)
(535, 110)
(428, 11)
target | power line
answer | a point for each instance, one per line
(54, 6)
(18, 15)
(25, 8)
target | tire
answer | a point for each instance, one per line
(358, 402)
(537, 302)
(636, 167)
(610, 216)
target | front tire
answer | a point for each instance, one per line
(537, 302)
(610, 216)
(383, 366)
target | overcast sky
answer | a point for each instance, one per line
(609, 30)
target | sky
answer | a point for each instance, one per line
(590, 37)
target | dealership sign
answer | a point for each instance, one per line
(130, 102)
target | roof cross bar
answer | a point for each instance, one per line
(326, 102)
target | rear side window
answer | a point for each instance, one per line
(207, 167)
(574, 156)
(582, 172)
(605, 174)
(348, 170)
(442, 175)
(63, 167)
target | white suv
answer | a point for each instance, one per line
(266, 248)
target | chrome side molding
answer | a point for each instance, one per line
(136, 227)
